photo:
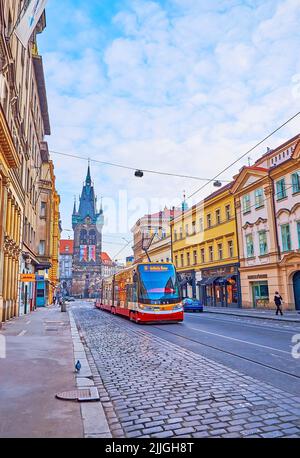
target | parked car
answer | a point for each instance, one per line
(192, 305)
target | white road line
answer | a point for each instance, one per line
(243, 341)
(27, 322)
(22, 333)
(245, 323)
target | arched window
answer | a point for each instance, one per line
(83, 237)
(92, 237)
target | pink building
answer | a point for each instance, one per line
(267, 198)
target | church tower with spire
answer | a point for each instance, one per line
(87, 224)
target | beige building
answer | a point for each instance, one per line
(24, 122)
(152, 232)
(160, 248)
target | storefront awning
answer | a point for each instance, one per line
(224, 279)
(207, 281)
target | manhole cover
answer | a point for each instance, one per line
(85, 394)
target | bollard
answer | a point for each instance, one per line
(63, 307)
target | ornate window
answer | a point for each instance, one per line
(286, 237)
(263, 244)
(280, 189)
(249, 246)
(259, 198)
(83, 237)
(92, 237)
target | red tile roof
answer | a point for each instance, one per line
(105, 257)
(66, 246)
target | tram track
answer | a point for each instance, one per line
(230, 353)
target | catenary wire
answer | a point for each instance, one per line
(245, 154)
(112, 164)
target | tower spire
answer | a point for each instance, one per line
(74, 208)
(88, 180)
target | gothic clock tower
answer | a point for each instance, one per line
(87, 224)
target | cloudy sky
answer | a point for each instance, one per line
(182, 86)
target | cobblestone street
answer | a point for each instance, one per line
(153, 388)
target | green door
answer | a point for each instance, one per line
(260, 294)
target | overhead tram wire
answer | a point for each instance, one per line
(122, 249)
(245, 154)
(113, 164)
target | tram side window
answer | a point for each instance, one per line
(134, 292)
(117, 296)
(128, 294)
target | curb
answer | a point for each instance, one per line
(285, 320)
(93, 416)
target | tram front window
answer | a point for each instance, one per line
(158, 284)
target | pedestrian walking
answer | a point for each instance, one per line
(278, 302)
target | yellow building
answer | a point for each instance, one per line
(11, 206)
(205, 250)
(54, 240)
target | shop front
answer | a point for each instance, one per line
(187, 282)
(220, 286)
(26, 286)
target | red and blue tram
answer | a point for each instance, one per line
(146, 292)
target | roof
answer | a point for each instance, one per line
(41, 86)
(219, 191)
(105, 257)
(271, 152)
(66, 246)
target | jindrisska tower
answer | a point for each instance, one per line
(87, 224)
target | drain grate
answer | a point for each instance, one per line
(82, 395)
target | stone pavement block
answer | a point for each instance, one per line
(183, 431)
(272, 434)
(221, 398)
(153, 430)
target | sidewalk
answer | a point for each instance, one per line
(40, 353)
(289, 316)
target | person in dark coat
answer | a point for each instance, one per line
(278, 302)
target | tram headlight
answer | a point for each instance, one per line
(177, 307)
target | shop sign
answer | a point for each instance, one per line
(220, 272)
(257, 277)
(27, 277)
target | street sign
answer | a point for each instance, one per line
(27, 277)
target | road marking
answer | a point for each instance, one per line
(22, 333)
(243, 341)
(29, 321)
(238, 322)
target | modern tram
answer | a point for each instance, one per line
(145, 293)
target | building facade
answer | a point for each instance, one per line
(24, 122)
(87, 225)
(65, 266)
(205, 252)
(109, 267)
(160, 247)
(268, 221)
(148, 230)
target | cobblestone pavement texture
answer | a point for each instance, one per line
(152, 388)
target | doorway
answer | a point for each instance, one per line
(296, 284)
(260, 294)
